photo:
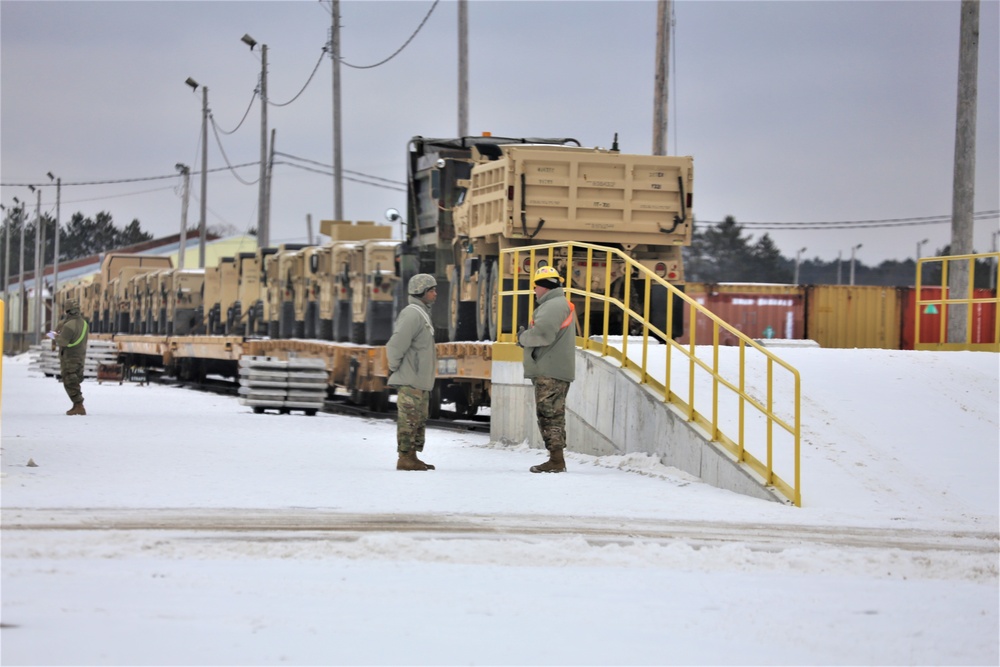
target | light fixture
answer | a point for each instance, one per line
(191, 82)
(249, 41)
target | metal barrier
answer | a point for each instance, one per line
(982, 324)
(760, 431)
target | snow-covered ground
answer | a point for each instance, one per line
(171, 526)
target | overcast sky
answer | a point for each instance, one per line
(794, 111)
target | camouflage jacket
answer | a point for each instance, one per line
(410, 350)
(550, 342)
(72, 334)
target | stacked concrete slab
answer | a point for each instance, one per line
(268, 383)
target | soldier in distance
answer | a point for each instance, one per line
(550, 362)
(71, 336)
(413, 367)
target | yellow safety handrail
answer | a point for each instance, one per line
(770, 412)
(969, 300)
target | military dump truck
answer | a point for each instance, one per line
(471, 197)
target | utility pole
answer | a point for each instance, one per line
(39, 232)
(6, 273)
(463, 68)
(660, 93)
(263, 224)
(840, 263)
(182, 250)
(338, 195)
(203, 204)
(20, 269)
(55, 251)
(963, 190)
(267, 189)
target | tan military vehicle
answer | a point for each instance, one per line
(117, 313)
(239, 319)
(339, 264)
(472, 197)
(211, 304)
(183, 312)
(284, 271)
(344, 259)
(229, 282)
(373, 283)
(315, 261)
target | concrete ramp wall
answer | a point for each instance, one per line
(608, 412)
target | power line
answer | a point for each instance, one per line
(348, 178)
(853, 224)
(346, 171)
(245, 114)
(400, 49)
(308, 81)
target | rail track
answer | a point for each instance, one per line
(338, 405)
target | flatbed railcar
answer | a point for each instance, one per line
(357, 373)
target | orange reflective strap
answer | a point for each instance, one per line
(569, 318)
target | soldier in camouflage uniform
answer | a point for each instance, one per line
(413, 367)
(550, 362)
(71, 337)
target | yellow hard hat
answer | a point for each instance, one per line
(547, 276)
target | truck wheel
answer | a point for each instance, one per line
(461, 314)
(483, 301)
(358, 333)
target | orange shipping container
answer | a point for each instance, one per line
(758, 310)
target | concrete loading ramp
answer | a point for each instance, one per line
(608, 412)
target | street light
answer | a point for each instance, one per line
(798, 257)
(182, 248)
(920, 244)
(263, 224)
(55, 248)
(852, 261)
(204, 169)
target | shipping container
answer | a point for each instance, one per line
(934, 315)
(758, 310)
(854, 316)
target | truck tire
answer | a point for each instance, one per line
(483, 305)
(358, 333)
(286, 319)
(461, 314)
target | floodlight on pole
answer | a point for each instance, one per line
(853, 249)
(204, 170)
(263, 224)
(919, 245)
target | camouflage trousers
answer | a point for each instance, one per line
(411, 418)
(550, 409)
(71, 371)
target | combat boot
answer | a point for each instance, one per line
(556, 462)
(409, 461)
(423, 463)
(77, 409)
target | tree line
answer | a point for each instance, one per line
(724, 253)
(80, 237)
